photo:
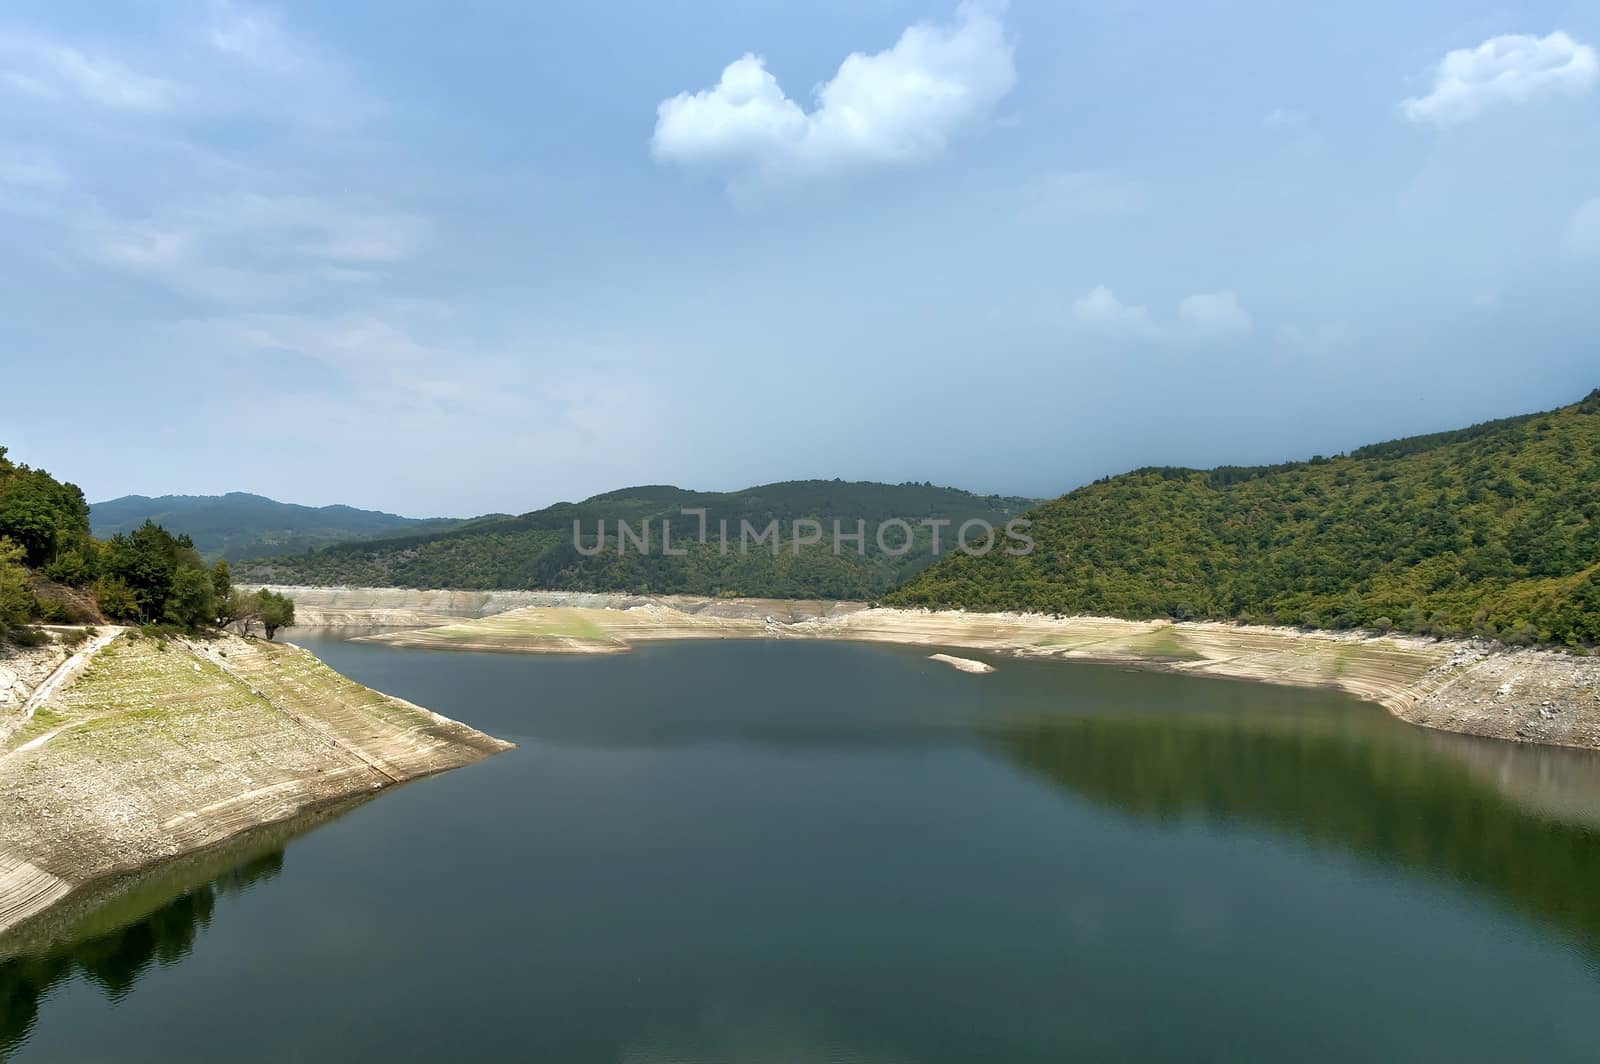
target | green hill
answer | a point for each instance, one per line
(1490, 529)
(536, 550)
(239, 525)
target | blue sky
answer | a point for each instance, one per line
(482, 257)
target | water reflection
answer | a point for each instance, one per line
(114, 961)
(1385, 795)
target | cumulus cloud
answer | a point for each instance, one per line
(1215, 314)
(1101, 311)
(1583, 234)
(889, 107)
(1512, 68)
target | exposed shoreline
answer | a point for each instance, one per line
(150, 750)
(133, 752)
(1463, 686)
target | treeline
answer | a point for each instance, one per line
(53, 570)
(1490, 530)
(538, 551)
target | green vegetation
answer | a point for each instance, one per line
(16, 590)
(536, 550)
(1488, 530)
(44, 534)
(48, 519)
(239, 525)
(52, 569)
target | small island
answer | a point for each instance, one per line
(962, 664)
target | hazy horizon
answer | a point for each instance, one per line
(451, 263)
(974, 489)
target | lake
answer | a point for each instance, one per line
(807, 851)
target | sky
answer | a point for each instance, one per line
(482, 257)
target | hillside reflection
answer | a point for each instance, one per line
(114, 961)
(1383, 795)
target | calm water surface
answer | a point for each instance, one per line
(797, 851)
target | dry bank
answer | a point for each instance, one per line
(1460, 686)
(151, 748)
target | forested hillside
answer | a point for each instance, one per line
(53, 570)
(240, 525)
(537, 550)
(1490, 529)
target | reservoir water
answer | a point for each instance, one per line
(807, 851)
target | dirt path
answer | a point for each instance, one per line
(64, 674)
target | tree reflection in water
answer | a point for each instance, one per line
(1381, 796)
(114, 961)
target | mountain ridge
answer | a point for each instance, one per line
(240, 524)
(537, 549)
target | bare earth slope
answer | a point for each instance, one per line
(159, 748)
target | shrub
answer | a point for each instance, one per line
(30, 637)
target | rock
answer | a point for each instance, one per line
(964, 664)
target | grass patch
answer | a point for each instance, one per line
(43, 720)
(1163, 645)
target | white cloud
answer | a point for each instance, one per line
(1204, 316)
(1512, 68)
(1100, 310)
(322, 229)
(46, 69)
(1215, 314)
(892, 106)
(255, 36)
(254, 249)
(1583, 234)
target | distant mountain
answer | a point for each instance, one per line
(537, 550)
(1493, 529)
(239, 525)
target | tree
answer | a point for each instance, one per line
(28, 519)
(165, 576)
(191, 603)
(222, 595)
(40, 514)
(116, 600)
(16, 590)
(72, 566)
(239, 611)
(274, 611)
(145, 561)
